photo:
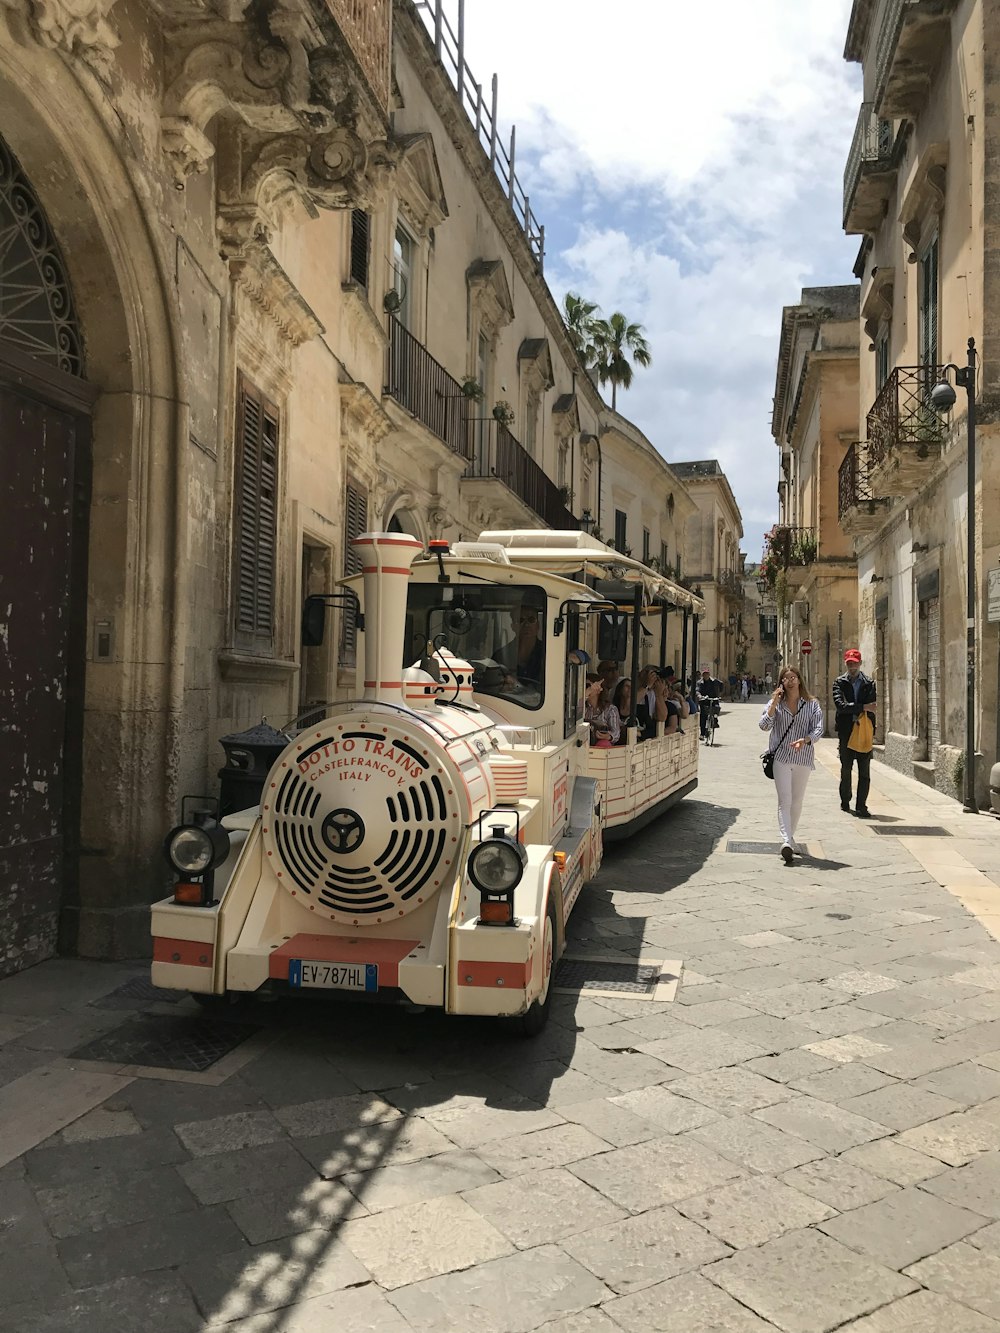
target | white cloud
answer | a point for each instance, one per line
(687, 160)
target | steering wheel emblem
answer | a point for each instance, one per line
(343, 831)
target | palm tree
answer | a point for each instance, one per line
(616, 339)
(582, 319)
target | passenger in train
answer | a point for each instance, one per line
(678, 707)
(523, 656)
(623, 703)
(600, 712)
(652, 705)
(610, 674)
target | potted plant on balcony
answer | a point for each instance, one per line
(566, 495)
(803, 549)
(472, 390)
(503, 412)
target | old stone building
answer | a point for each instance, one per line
(267, 279)
(714, 563)
(811, 564)
(921, 189)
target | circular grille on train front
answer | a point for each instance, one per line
(361, 821)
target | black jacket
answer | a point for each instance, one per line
(705, 690)
(844, 701)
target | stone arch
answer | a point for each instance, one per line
(405, 520)
(37, 310)
(135, 563)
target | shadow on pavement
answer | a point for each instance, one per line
(421, 1092)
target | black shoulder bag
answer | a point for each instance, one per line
(767, 758)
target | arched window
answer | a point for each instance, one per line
(37, 313)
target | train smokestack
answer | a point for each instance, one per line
(385, 562)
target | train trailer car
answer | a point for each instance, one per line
(427, 841)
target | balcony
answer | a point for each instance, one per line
(791, 553)
(490, 452)
(730, 583)
(905, 434)
(367, 28)
(422, 385)
(858, 510)
(911, 37)
(870, 173)
(524, 492)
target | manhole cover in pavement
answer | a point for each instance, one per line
(761, 848)
(647, 980)
(135, 993)
(167, 1042)
(910, 831)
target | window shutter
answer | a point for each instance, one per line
(355, 523)
(359, 247)
(929, 306)
(256, 512)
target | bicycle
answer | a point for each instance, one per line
(715, 708)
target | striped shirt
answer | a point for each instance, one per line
(808, 722)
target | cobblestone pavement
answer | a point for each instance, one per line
(805, 1139)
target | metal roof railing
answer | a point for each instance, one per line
(449, 47)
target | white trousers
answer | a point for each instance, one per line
(790, 784)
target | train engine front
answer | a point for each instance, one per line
(379, 860)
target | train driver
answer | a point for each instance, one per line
(523, 656)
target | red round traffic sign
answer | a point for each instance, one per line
(806, 647)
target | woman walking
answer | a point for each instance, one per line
(795, 721)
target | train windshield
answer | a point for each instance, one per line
(500, 631)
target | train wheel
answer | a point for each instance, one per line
(538, 1015)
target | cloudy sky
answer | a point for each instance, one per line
(687, 162)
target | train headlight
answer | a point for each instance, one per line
(193, 852)
(495, 867)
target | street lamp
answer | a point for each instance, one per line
(942, 398)
(586, 520)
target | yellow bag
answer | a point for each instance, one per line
(862, 735)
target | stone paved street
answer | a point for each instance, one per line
(806, 1138)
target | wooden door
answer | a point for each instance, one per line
(44, 491)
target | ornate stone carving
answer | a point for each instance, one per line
(261, 278)
(877, 305)
(364, 420)
(274, 75)
(77, 27)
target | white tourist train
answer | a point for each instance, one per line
(428, 840)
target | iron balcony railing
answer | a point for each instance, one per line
(367, 26)
(852, 480)
(494, 452)
(872, 145)
(449, 47)
(902, 416)
(424, 387)
(793, 546)
(729, 582)
(889, 21)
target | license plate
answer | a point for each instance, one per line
(333, 976)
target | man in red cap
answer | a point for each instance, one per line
(853, 694)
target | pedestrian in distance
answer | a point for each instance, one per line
(795, 721)
(744, 690)
(854, 696)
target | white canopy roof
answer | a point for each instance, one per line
(571, 552)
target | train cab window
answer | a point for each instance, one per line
(499, 630)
